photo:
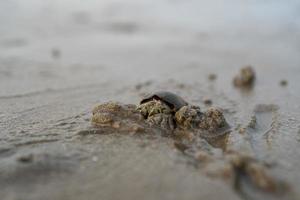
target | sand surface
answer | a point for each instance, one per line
(60, 58)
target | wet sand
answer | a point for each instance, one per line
(57, 62)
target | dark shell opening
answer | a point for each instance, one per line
(174, 101)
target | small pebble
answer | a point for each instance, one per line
(139, 86)
(283, 83)
(212, 77)
(56, 54)
(116, 125)
(242, 130)
(25, 158)
(180, 146)
(207, 101)
(181, 85)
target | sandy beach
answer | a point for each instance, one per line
(58, 59)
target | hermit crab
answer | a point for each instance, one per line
(169, 111)
(161, 110)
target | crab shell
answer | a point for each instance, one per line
(174, 101)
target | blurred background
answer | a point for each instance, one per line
(54, 44)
